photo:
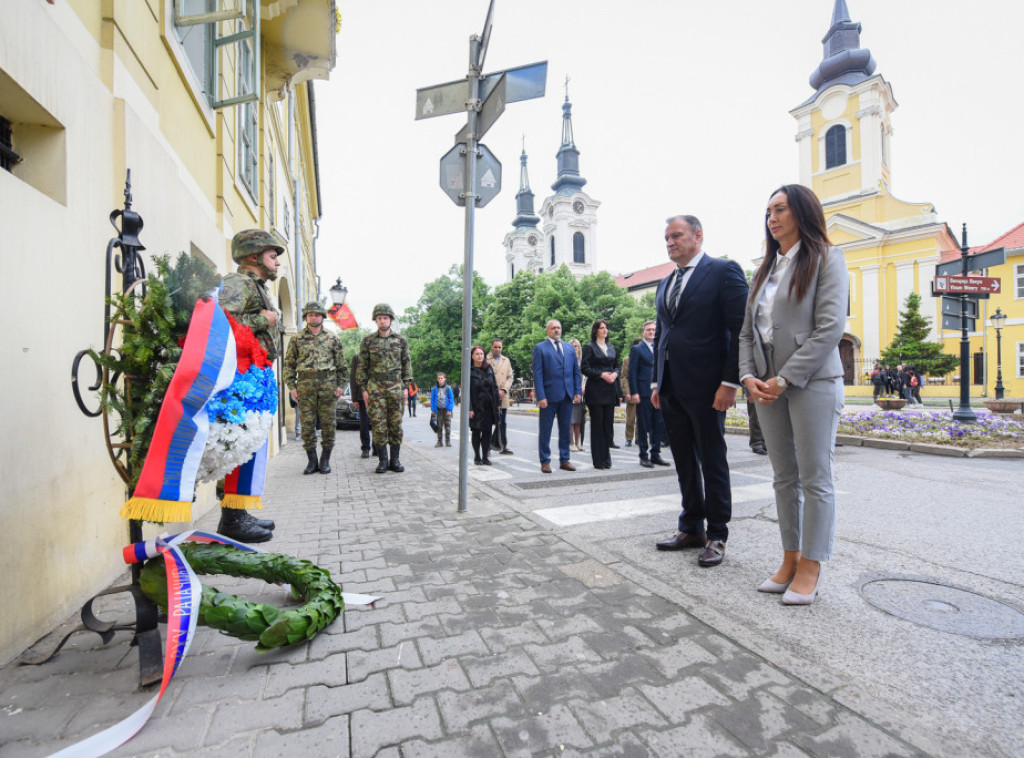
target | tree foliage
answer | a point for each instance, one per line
(434, 325)
(517, 312)
(910, 346)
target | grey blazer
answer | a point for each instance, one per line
(805, 340)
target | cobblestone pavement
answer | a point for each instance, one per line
(493, 637)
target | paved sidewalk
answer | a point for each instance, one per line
(494, 637)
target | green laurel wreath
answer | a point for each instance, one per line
(270, 625)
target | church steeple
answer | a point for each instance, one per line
(845, 61)
(569, 179)
(525, 217)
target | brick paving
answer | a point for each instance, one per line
(493, 637)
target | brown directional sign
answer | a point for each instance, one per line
(968, 285)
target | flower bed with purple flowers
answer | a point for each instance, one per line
(990, 430)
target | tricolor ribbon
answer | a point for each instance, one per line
(167, 482)
(243, 487)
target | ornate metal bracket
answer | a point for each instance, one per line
(129, 264)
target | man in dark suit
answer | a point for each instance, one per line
(696, 346)
(556, 379)
(650, 428)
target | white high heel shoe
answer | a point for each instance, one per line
(774, 587)
(795, 598)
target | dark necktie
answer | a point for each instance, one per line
(677, 286)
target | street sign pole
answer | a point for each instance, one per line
(964, 413)
(475, 66)
(498, 89)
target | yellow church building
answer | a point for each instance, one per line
(892, 245)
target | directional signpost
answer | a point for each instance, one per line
(951, 277)
(469, 171)
(970, 285)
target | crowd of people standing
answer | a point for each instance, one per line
(902, 381)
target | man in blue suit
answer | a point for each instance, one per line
(556, 379)
(650, 429)
(696, 345)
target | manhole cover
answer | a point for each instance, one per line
(945, 608)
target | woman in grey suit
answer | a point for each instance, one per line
(789, 364)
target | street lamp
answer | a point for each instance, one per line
(338, 293)
(997, 321)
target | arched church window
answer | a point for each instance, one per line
(578, 252)
(835, 146)
(552, 251)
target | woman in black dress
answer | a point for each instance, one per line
(601, 368)
(483, 405)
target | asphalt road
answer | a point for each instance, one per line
(920, 617)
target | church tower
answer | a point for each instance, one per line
(524, 244)
(891, 246)
(569, 216)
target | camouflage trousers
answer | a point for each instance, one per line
(317, 401)
(386, 410)
(444, 424)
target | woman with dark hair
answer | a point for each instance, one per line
(483, 405)
(790, 366)
(600, 366)
(578, 423)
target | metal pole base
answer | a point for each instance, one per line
(147, 635)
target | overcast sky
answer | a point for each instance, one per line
(678, 107)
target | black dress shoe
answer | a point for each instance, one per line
(646, 463)
(759, 450)
(612, 444)
(712, 554)
(683, 540)
(657, 460)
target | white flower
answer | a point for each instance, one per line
(230, 445)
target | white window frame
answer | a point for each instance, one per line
(1018, 281)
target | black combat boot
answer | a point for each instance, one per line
(314, 465)
(233, 524)
(382, 456)
(365, 454)
(396, 465)
(325, 461)
(262, 523)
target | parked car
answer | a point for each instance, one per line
(347, 412)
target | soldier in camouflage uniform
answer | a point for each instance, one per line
(315, 372)
(245, 295)
(385, 371)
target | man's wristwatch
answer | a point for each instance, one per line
(780, 381)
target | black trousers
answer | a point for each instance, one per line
(364, 426)
(696, 436)
(601, 418)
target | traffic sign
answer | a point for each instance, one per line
(453, 175)
(975, 262)
(953, 323)
(951, 307)
(522, 83)
(493, 107)
(968, 284)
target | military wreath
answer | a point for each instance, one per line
(270, 625)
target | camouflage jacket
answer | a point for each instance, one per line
(308, 352)
(244, 295)
(384, 362)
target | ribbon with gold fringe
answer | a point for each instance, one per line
(207, 365)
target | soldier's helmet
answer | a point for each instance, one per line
(252, 242)
(313, 307)
(383, 309)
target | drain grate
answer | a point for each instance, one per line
(947, 609)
